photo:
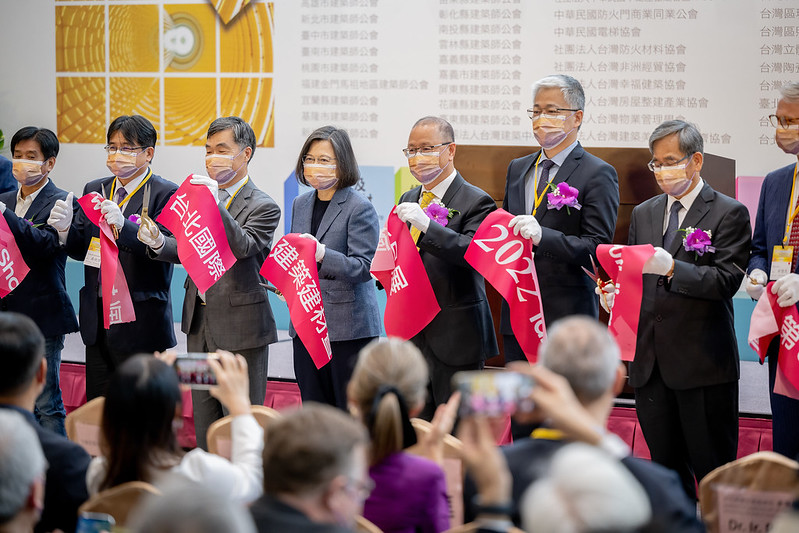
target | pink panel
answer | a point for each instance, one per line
(747, 191)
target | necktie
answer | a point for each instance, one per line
(223, 196)
(120, 195)
(543, 181)
(793, 240)
(427, 197)
(674, 223)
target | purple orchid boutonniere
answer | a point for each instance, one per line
(563, 195)
(698, 241)
(136, 219)
(440, 213)
(30, 222)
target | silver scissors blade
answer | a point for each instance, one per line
(742, 271)
(145, 206)
(595, 274)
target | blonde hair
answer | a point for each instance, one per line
(387, 367)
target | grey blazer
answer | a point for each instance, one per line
(237, 307)
(350, 231)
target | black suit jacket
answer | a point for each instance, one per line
(463, 332)
(568, 239)
(529, 459)
(148, 280)
(271, 516)
(42, 295)
(686, 323)
(65, 486)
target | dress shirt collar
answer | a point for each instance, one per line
(688, 200)
(234, 189)
(28, 200)
(441, 189)
(131, 186)
(561, 156)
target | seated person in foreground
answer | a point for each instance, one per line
(138, 431)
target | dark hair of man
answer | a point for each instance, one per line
(346, 165)
(134, 128)
(137, 434)
(307, 448)
(21, 351)
(48, 142)
(445, 131)
(242, 132)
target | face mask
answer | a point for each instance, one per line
(123, 165)
(220, 167)
(320, 177)
(788, 139)
(673, 180)
(28, 172)
(549, 130)
(425, 167)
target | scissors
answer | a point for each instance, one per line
(752, 280)
(145, 206)
(113, 227)
(595, 277)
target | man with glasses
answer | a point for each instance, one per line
(775, 245)
(563, 239)
(130, 150)
(685, 371)
(461, 336)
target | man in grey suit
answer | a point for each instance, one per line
(234, 314)
(461, 336)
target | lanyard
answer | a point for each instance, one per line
(130, 194)
(230, 200)
(795, 209)
(536, 197)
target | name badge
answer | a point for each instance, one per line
(781, 262)
(93, 254)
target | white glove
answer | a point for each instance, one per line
(320, 248)
(2, 208)
(755, 290)
(61, 214)
(150, 235)
(787, 290)
(607, 296)
(661, 263)
(213, 186)
(412, 212)
(113, 214)
(527, 226)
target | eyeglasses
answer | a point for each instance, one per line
(535, 113)
(410, 152)
(310, 160)
(124, 150)
(784, 123)
(361, 488)
(655, 167)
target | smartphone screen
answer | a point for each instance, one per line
(193, 370)
(94, 523)
(492, 393)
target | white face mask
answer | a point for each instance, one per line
(788, 139)
(673, 180)
(320, 177)
(28, 172)
(550, 130)
(425, 166)
(220, 167)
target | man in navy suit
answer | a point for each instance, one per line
(42, 295)
(461, 336)
(565, 239)
(774, 228)
(130, 149)
(7, 181)
(685, 372)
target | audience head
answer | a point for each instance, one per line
(324, 148)
(131, 146)
(229, 148)
(34, 151)
(141, 404)
(431, 150)
(786, 119)
(315, 459)
(581, 350)
(187, 507)
(584, 491)
(24, 366)
(22, 471)
(388, 386)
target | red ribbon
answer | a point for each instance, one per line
(13, 268)
(117, 305)
(506, 262)
(193, 217)
(291, 267)
(624, 265)
(411, 303)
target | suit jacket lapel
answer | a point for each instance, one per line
(40, 202)
(564, 172)
(656, 221)
(698, 210)
(453, 189)
(240, 201)
(332, 211)
(302, 213)
(517, 201)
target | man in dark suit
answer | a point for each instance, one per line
(42, 295)
(131, 147)
(565, 239)
(686, 368)
(776, 226)
(21, 382)
(461, 336)
(234, 314)
(579, 375)
(7, 181)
